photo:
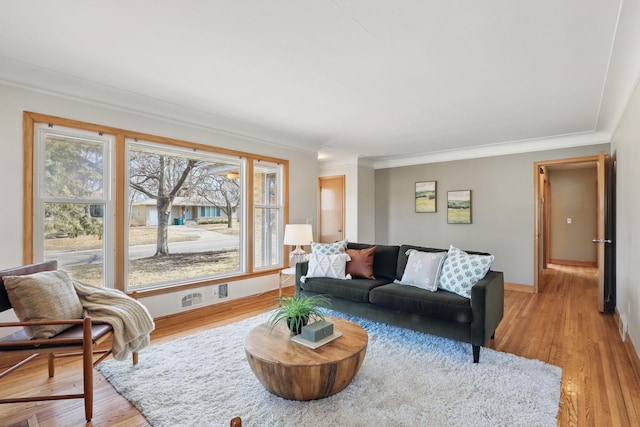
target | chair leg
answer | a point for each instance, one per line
(135, 357)
(51, 363)
(87, 370)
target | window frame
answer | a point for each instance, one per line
(119, 187)
(156, 148)
(40, 199)
(278, 206)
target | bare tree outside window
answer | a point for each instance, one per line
(191, 202)
(160, 178)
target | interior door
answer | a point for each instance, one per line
(604, 237)
(331, 206)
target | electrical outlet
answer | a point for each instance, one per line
(223, 290)
(214, 291)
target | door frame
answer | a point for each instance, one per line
(539, 230)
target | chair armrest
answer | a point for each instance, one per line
(487, 304)
(301, 270)
(42, 322)
(48, 342)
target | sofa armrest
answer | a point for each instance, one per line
(487, 304)
(301, 270)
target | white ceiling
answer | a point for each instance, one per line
(391, 81)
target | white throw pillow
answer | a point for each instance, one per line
(461, 271)
(338, 247)
(332, 266)
(422, 269)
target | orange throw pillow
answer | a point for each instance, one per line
(361, 264)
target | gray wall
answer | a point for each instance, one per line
(366, 203)
(502, 207)
(626, 151)
(573, 195)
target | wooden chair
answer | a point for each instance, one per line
(80, 339)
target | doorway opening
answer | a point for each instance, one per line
(549, 225)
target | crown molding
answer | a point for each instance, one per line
(34, 78)
(500, 149)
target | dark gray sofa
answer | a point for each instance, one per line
(441, 313)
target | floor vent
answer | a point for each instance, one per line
(192, 300)
(622, 327)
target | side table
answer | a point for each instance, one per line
(285, 276)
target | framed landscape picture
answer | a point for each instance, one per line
(459, 207)
(425, 196)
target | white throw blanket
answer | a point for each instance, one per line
(130, 320)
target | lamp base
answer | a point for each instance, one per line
(297, 255)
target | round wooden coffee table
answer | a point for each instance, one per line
(297, 372)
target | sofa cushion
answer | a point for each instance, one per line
(423, 269)
(462, 270)
(403, 257)
(361, 263)
(440, 304)
(328, 266)
(334, 248)
(47, 295)
(385, 260)
(353, 290)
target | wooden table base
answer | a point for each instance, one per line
(297, 372)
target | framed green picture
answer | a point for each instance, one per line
(425, 196)
(459, 207)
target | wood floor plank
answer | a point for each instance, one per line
(561, 325)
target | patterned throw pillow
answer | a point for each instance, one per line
(461, 271)
(422, 269)
(46, 295)
(338, 247)
(332, 266)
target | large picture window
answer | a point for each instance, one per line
(173, 236)
(138, 212)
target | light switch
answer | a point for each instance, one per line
(568, 220)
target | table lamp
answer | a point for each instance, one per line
(297, 234)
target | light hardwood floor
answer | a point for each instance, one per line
(560, 325)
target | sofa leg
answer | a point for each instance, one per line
(476, 353)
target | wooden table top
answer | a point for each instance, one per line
(275, 346)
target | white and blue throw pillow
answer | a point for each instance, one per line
(461, 271)
(334, 248)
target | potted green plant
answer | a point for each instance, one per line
(297, 310)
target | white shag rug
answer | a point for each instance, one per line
(407, 379)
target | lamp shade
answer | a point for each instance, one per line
(298, 234)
